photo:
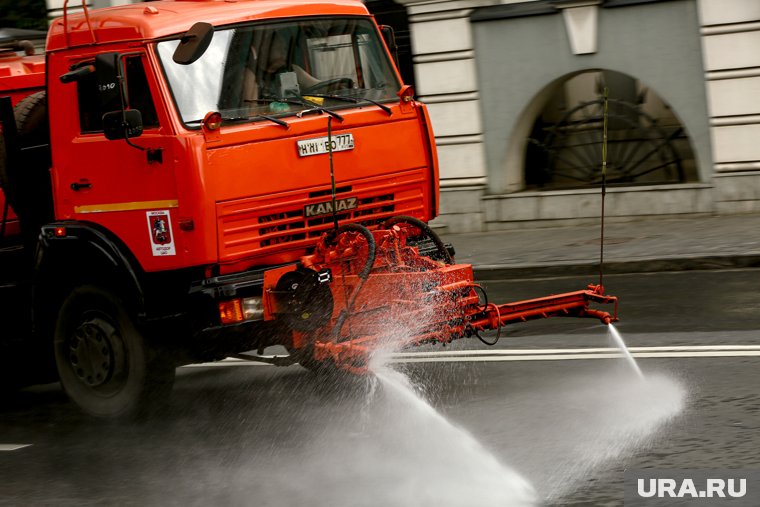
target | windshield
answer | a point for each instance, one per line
(270, 69)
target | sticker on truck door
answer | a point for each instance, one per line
(160, 227)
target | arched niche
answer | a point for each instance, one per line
(523, 61)
(604, 123)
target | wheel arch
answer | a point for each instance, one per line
(76, 253)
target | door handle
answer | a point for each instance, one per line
(79, 186)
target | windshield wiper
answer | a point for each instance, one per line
(353, 100)
(278, 121)
(236, 119)
(312, 106)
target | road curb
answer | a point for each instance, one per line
(653, 265)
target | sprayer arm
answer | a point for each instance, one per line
(570, 304)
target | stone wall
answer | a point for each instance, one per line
(485, 67)
(731, 43)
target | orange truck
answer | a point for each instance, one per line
(189, 180)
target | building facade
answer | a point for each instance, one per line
(55, 7)
(515, 92)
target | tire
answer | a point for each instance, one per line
(3, 164)
(305, 358)
(321, 369)
(27, 185)
(103, 361)
(5, 207)
(31, 120)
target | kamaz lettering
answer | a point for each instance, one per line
(325, 208)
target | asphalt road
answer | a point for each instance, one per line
(526, 416)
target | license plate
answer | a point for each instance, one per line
(320, 145)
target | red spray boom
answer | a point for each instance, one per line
(364, 290)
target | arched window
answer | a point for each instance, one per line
(646, 143)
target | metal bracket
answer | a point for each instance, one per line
(324, 276)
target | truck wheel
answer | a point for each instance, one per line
(305, 357)
(27, 186)
(103, 362)
(3, 164)
(31, 120)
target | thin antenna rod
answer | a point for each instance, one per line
(604, 188)
(332, 172)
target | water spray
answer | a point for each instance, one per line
(624, 349)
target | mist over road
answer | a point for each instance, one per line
(566, 427)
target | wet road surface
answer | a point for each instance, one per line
(260, 435)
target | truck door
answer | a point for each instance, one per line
(114, 183)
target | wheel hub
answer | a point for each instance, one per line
(91, 351)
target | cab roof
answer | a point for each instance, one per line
(153, 20)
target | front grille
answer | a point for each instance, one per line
(328, 192)
(283, 229)
(279, 222)
(276, 224)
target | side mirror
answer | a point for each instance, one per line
(194, 43)
(77, 73)
(389, 36)
(108, 76)
(122, 124)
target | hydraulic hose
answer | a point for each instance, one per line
(363, 274)
(484, 308)
(498, 327)
(332, 237)
(426, 230)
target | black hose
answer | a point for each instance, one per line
(477, 288)
(332, 236)
(485, 306)
(330, 239)
(426, 230)
(498, 329)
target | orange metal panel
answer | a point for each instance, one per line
(136, 22)
(21, 75)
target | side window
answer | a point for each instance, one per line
(138, 92)
(89, 107)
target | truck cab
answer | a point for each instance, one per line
(191, 148)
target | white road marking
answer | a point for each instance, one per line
(12, 447)
(468, 356)
(230, 361)
(566, 357)
(585, 350)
